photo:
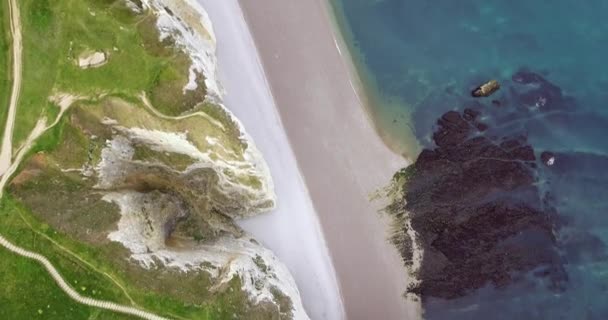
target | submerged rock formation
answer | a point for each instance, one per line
(479, 200)
(474, 206)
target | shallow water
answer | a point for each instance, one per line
(416, 49)
(422, 58)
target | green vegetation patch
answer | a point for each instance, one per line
(173, 160)
(71, 229)
(399, 216)
(167, 93)
(197, 128)
(75, 209)
(52, 209)
(56, 33)
(28, 292)
(5, 62)
(104, 271)
(220, 114)
(30, 235)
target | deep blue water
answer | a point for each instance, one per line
(422, 58)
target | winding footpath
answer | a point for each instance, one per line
(7, 168)
(71, 292)
(7, 148)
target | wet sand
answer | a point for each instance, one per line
(338, 151)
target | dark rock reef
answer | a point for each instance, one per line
(490, 211)
(478, 215)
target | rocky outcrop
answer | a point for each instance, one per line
(492, 213)
(92, 59)
(474, 206)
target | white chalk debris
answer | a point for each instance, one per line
(92, 59)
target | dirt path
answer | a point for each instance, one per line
(7, 147)
(157, 113)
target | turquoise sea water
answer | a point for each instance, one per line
(422, 58)
(416, 49)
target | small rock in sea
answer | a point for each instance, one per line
(470, 114)
(496, 103)
(486, 89)
(547, 158)
(481, 126)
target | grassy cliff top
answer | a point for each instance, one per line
(128, 84)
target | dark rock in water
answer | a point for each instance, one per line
(503, 227)
(527, 93)
(470, 114)
(486, 89)
(546, 95)
(481, 126)
(537, 92)
(453, 129)
(581, 245)
(547, 158)
(478, 213)
(527, 77)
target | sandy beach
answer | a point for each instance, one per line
(338, 151)
(292, 231)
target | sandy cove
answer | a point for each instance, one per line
(339, 153)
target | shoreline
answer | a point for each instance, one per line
(359, 79)
(338, 149)
(292, 230)
(367, 87)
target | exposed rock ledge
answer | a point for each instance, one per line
(92, 59)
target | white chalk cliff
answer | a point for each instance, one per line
(223, 177)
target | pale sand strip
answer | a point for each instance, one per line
(340, 155)
(292, 231)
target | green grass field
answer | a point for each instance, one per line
(91, 271)
(55, 33)
(170, 293)
(5, 62)
(28, 292)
